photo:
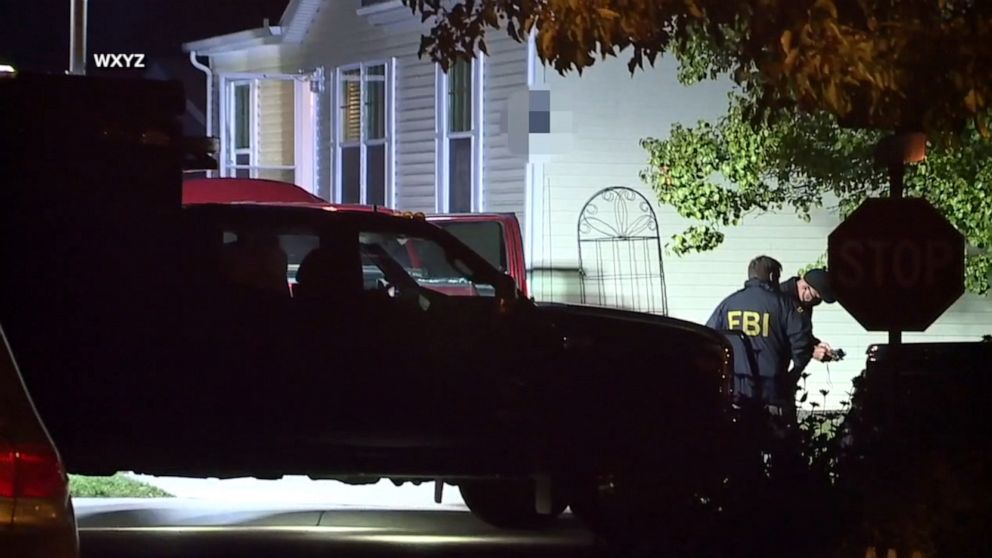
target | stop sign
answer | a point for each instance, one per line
(896, 264)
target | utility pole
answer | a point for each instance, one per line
(77, 37)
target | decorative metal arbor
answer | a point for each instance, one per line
(620, 257)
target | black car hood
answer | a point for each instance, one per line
(564, 312)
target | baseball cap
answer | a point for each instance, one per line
(820, 280)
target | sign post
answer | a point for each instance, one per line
(895, 152)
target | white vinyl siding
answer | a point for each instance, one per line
(276, 142)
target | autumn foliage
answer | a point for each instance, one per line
(884, 64)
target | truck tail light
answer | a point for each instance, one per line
(8, 485)
(32, 471)
(33, 483)
(33, 486)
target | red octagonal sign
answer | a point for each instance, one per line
(896, 264)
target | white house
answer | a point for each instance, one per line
(336, 100)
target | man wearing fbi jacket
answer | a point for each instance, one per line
(776, 333)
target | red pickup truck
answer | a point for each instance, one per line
(494, 236)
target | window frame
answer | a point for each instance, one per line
(444, 136)
(304, 136)
(229, 166)
(363, 143)
(250, 150)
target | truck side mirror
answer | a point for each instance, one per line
(506, 292)
(506, 285)
(199, 153)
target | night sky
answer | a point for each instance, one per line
(34, 34)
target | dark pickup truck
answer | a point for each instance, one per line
(162, 337)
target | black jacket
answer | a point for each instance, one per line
(777, 334)
(790, 289)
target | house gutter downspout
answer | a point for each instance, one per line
(210, 94)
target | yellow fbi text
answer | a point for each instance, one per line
(751, 323)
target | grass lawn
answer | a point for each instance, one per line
(117, 486)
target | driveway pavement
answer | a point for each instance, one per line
(301, 489)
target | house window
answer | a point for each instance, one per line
(364, 134)
(243, 121)
(460, 97)
(460, 141)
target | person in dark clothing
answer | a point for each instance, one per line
(805, 293)
(776, 332)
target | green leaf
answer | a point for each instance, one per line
(718, 171)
